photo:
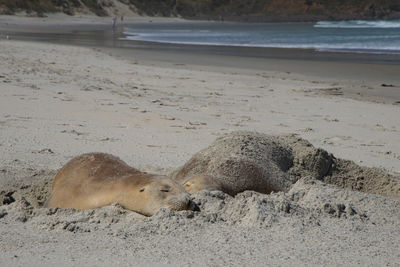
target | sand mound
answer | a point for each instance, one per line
(322, 165)
(25, 183)
(307, 203)
(264, 163)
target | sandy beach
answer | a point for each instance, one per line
(156, 106)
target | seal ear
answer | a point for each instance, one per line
(141, 190)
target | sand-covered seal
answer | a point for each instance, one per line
(243, 160)
(237, 162)
(95, 180)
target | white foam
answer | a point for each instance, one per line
(358, 24)
(350, 47)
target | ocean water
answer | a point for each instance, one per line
(378, 37)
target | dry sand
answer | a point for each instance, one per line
(60, 101)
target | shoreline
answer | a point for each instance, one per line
(52, 27)
(377, 75)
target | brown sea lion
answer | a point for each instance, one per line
(96, 179)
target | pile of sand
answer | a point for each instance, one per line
(275, 163)
(309, 201)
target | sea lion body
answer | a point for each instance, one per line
(96, 179)
(238, 162)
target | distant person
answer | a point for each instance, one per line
(114, 21)
(122, 18)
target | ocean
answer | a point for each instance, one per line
(372, 37)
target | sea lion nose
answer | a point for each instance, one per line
(192, 206)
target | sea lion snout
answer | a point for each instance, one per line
(191, 205)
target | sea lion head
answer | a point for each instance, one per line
(160, 192)
(201, 182)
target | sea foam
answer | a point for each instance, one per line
(358, 24)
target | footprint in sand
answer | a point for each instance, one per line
(334, 91)
(168, 118)
(108, 139)
(307, 130)
(91, 88)
(336, 139)
(196, 123)
(74, 132)
(44, 151)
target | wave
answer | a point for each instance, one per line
(358, 24)
(350, 47)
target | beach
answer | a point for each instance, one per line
(155, 106)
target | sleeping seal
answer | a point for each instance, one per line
(96, 179)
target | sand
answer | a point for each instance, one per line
(58, 101)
